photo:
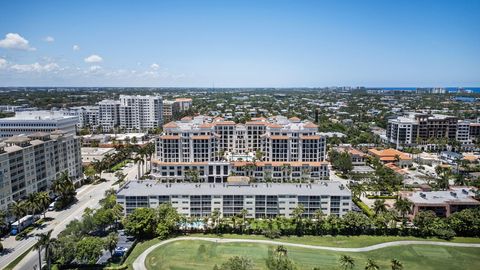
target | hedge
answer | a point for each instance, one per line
(363, 206)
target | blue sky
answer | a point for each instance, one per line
(240, 43)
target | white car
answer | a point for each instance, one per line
(51, 206)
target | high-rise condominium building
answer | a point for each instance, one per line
(276, 149)
(140, 112)
(420, 128)
(31, 163)
(109, 114)
(260, 200)
(28, 122)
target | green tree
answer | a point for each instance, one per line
(237, 263)
(278, 260)
(89, 249)
(167, 220)
(44, 242)
(142, 223)
(347, 262)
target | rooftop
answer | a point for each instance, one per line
(148, 187)
(460, 196)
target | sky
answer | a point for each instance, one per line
(240, 43)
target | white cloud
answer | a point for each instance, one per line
(49, 39)
(35, 67)
(76, 47)
(93, 59)
(155, 66)
(15, 41)
(3, 63)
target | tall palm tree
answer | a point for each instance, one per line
(371, 265)
(403, 206)
(46, 242)
(138, 160)
(347, 262)
(3, 222)
(43, 200)
(32, 203)
(244, 214)
(396, 264)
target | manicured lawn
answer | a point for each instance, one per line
(185, 255)
(340, 241)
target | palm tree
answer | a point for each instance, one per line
(3, 222)
(318, 216)
(99, 167)
(45, 241)
(43, 200)
(403, 206)
(379, 206)
(371, 265)
(18, 209)
(347, 262)
(244, 214)
(32, 203)
(396, 264)
(111, 242)
(138, 160)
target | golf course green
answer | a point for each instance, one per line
(197, 254)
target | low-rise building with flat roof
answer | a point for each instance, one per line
(261, 200)
(443, 203)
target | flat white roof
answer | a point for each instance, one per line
(154, 188)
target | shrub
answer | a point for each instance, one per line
(364, 207)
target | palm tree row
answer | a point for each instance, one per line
(348, 263)
(34, 203)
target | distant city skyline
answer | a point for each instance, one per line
(240, 43)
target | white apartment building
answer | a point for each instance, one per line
(109, 114)
(88, 116)
(28, 122)
(261, 200)
(140, 112)
(291, 150)
(31, 163)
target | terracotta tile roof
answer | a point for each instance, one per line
(183, 99)
(294, 119)
(207, 125)
(170, 125)
(310, 125)
(389, 154)
(186, 118)
(277, 137)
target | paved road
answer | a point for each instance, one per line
(139, 263)
(88, 196)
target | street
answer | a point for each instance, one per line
(87, 196)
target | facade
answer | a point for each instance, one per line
(261, 200)
(108, 114)
(418, 128)
(140, 112)
(261, 149)
(172, 108)
(88, 116)
(28, 122)
(443, 203)
(31, 163)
